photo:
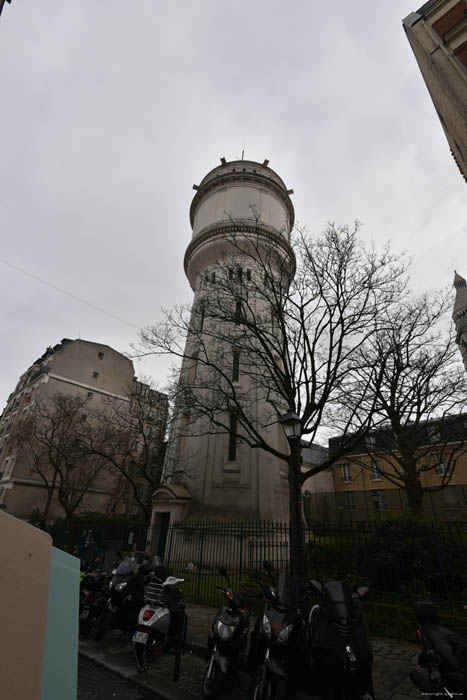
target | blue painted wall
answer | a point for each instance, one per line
(60, 670)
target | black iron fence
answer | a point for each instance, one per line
(400, 560)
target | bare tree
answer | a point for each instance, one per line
(418, 396)
(53, 438)
(131, 438)
(292, 329)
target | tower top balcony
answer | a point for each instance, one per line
(240, 196)
(242, 190)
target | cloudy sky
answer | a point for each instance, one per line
(111, 110)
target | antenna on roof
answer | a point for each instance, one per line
(243, 153)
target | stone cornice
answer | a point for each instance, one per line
(235, 178)
(223, 230)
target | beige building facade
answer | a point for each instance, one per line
(362, 492)
(78, 368)
(437, 33)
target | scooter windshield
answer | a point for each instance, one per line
(126, 567)
(287, 591)
(338, 602)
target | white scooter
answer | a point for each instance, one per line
(158, 619)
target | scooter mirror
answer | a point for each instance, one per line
(317, 586)
(363, 591)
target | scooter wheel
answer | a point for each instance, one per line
(214, 682)
(262, 691)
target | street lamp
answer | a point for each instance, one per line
(292, 425)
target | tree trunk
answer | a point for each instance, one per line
(296, 528)
(50, 493)
(413, 486)
(414, 493)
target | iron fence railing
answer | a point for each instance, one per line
(399, 560)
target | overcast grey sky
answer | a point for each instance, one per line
(111, 110)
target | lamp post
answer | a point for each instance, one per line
(293, 428)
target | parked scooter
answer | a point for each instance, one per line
(160, 620)
(277, 653)
(443, 655)
(227, 640)
(339, 643)
(93, 597)
(126, 596)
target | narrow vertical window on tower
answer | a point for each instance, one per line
(236, 366)
(232, 437)
(202, 312)
(238, 313)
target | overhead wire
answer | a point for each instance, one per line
(69, 294)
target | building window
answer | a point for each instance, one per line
(441, 467)
(231, 273)
(248, 275)
(202, 312)
(232, 437)
(375, 471)
(346, 475)
(348, 500)
(100, 355)
(379, 500)
(238, 313)
(213, 276)
(90, 394)
(240, 274)
(435, 435)
(95, 374)
(236, 366)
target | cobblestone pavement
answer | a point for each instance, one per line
(96, 683)
(392, 663)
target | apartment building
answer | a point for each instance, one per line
(437, 33)
(78, 368)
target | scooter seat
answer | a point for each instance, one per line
(450, 647)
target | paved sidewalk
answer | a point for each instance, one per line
(392, 663)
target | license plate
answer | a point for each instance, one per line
(141, 637)
(84, 614)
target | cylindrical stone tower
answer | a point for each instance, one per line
(209, 475)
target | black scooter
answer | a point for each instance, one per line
(443, 655)
(339, 643)
(277, 653)
(92, 599)
(227, 641)
(126, 598)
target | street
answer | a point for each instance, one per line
(96, 683)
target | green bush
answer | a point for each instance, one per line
(407, 557)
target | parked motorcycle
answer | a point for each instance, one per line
(339, 643)
(443, 655)
(277, 653)
(126, 597)
(227, 640)
(160, 619)
(93, 597)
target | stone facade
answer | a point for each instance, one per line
(437, 33)
(459, 315)
(79, 368)
(223, 477)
